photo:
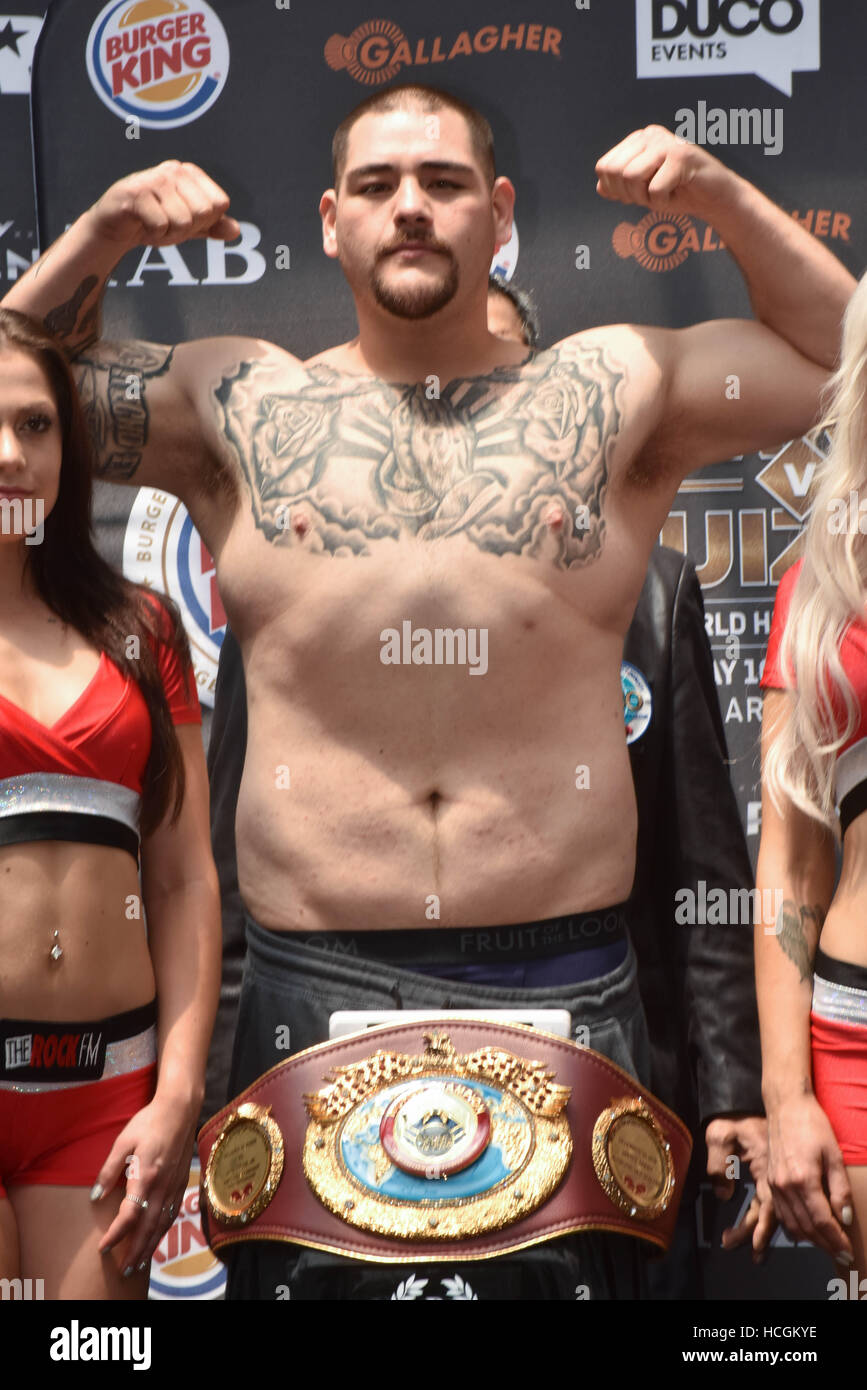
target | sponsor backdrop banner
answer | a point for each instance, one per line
(18, 35)
(252, 90)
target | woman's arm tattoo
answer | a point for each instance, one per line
(798, 928)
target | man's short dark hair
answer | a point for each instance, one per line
(525, 307)
(405, 96)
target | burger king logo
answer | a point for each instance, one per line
(161, 62)
(182, 1265)
(163, 550)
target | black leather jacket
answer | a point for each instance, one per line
(696, 981)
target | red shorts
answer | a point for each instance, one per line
(840, 1082)
(63, 1137)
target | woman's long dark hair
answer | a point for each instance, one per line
(84, 591)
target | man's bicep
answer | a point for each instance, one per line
(141, 425)
(132, 405)
(734, 387)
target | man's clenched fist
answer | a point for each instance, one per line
(170, 203)
(657, 169)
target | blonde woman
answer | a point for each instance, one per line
(811, 966)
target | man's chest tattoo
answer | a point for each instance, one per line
(509, 460)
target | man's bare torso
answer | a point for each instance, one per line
(360, 526)
(431, 585)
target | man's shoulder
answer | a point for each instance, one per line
(222, 354)
(632, 354)
(630, 339)
(239, 374)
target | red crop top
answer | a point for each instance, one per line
(106, 733)
(850, 769)
(772, 676)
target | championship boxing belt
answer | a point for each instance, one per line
(441, 1139)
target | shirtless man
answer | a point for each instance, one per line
(429, 475)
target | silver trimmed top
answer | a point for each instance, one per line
(850, 769)
(839, 1003)
(56, 791)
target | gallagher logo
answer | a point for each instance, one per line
(662, 240)
(377, 50)
(161, 62)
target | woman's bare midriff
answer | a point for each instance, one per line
(844, 934)
(91, 895)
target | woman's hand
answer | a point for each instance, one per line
(152, 1153)
(807, 1176)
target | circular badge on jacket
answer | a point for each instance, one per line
(637, 701)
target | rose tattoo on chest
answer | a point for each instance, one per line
(516, 461)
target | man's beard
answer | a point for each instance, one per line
(419, 301)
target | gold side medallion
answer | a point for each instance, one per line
(632, 1159)
(244, 1166)
(438, 1146)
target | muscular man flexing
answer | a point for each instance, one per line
(430, 543)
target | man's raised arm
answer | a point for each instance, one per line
(136, 395)
(734, 385)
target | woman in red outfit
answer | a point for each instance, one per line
(108, 974)
(811, 967)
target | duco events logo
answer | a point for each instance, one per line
(163, 550)
(376, 51)
(161, 62)
(688, 38)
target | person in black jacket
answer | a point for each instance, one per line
(696, 981)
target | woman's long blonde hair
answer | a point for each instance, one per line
(829, 594)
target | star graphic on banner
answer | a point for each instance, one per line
(9, 37)
(16, 57)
